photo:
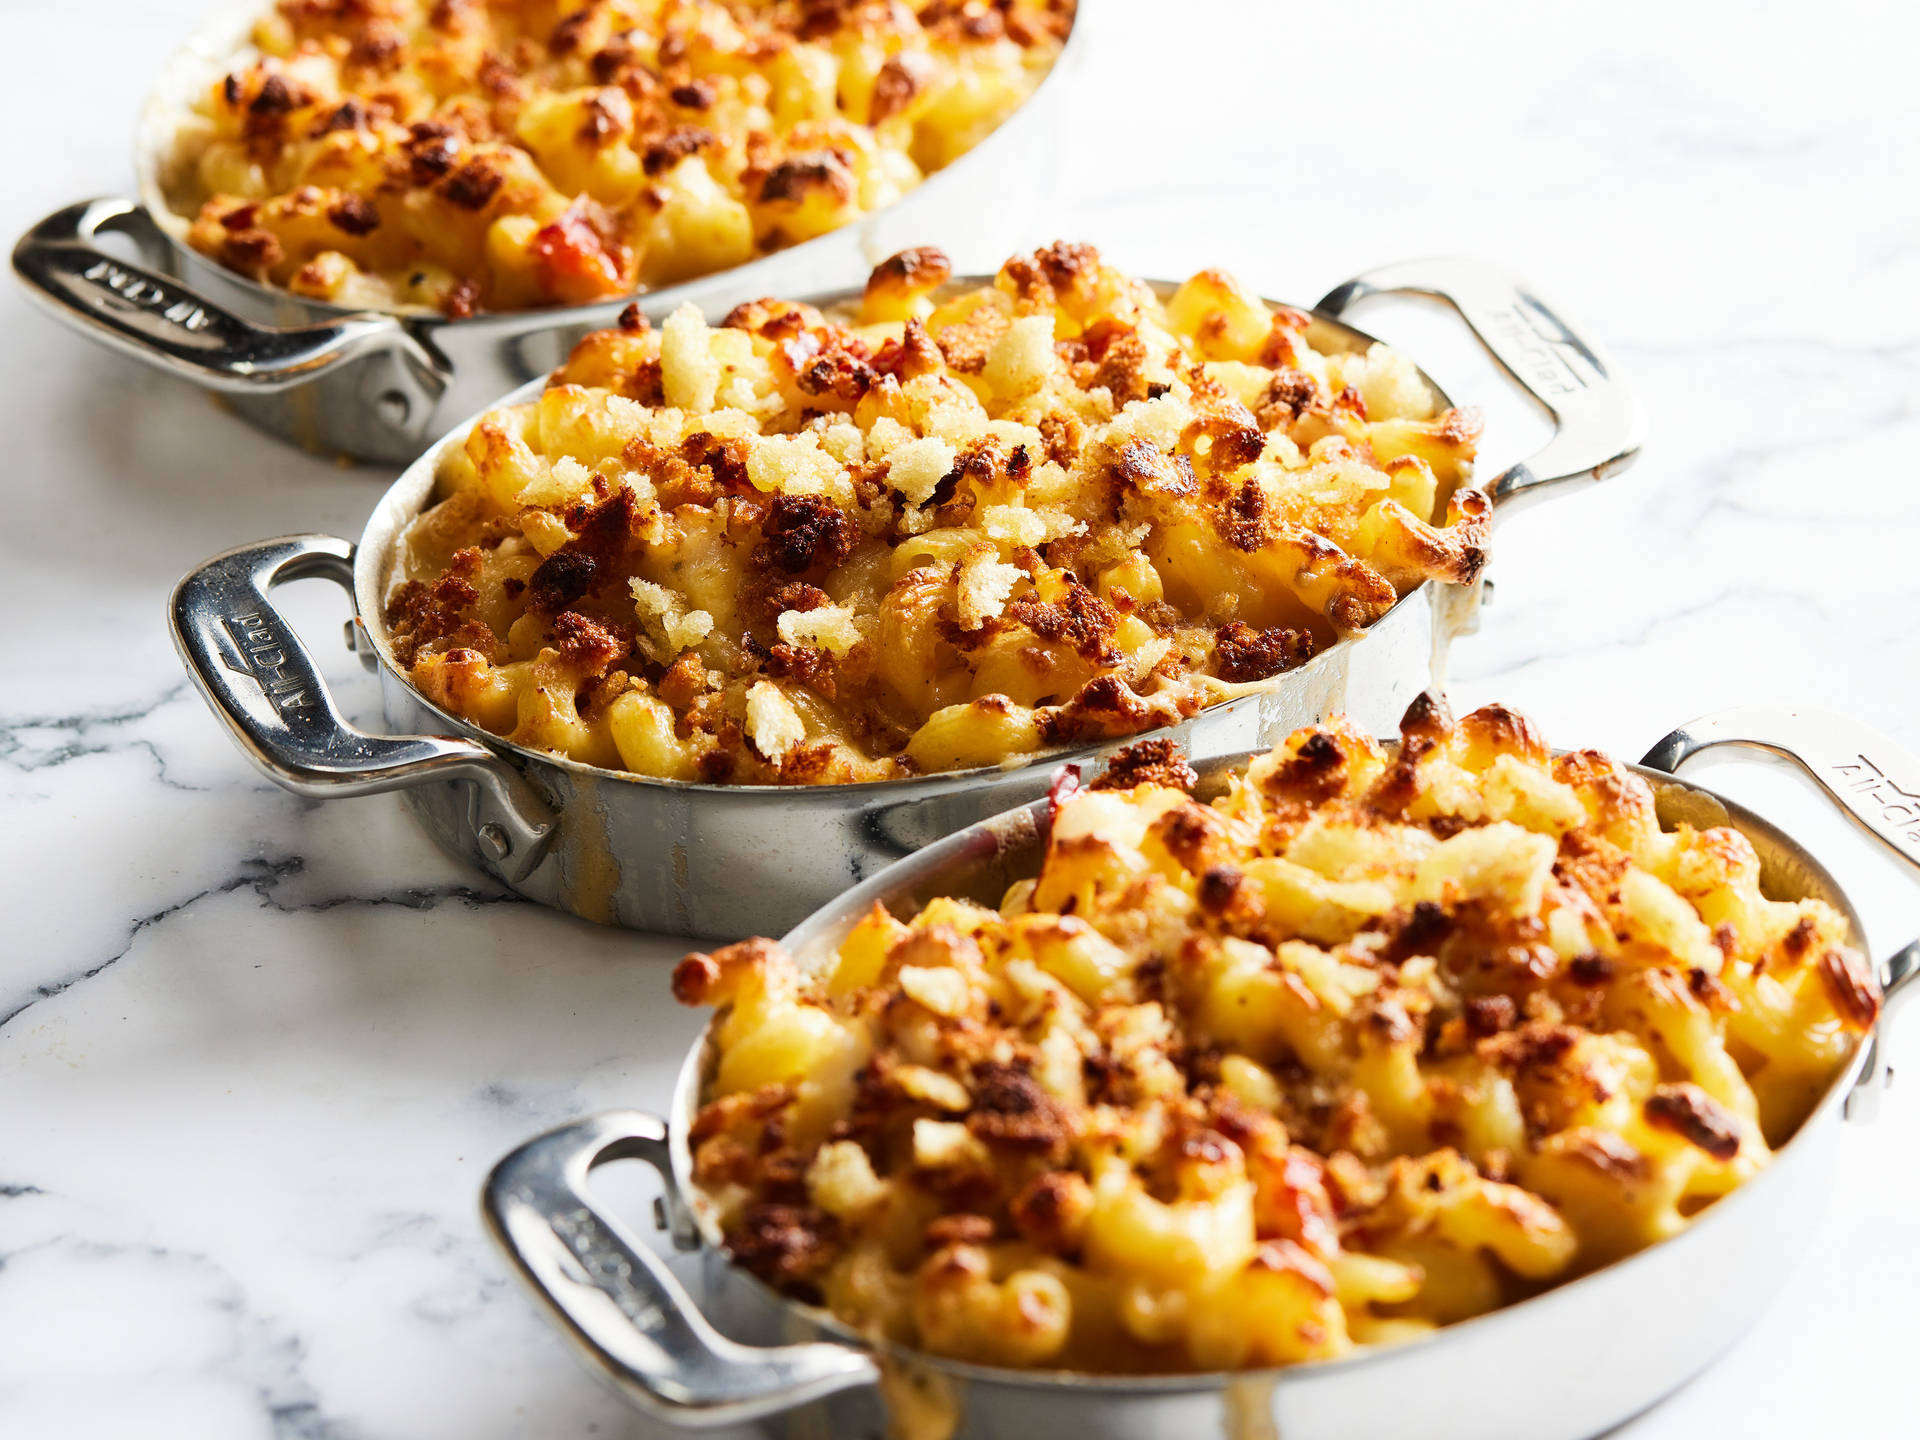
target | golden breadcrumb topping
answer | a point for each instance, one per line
(965, 525)
(1375, 1041)
(466, 156)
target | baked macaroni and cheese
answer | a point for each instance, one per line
(1373, 1042)
(462, 156)
(962, 526)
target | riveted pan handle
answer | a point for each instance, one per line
(154, 318)
(618, 1302)
(258, 677)
(1596, 423)
(1872, 778)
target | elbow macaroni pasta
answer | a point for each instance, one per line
(955, 529)
(1372, 1043)
(463, 156)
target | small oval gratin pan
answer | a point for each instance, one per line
(729, 860)
(1567, 1364)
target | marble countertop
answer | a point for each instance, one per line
(257, 1053)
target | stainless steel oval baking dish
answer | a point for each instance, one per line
(720, 860)
(379, 387)
(1571, 1363)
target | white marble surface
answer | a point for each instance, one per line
(256, 1053)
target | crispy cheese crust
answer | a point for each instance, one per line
(1372, 1043)
(952, 530)
(463, 156)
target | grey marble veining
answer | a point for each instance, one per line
(256, 1054)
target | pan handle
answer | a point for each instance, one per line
(1596, 423)
(156, 319)
(1875, 780)
(257, 676)
(617, 1299)
(1872, 778)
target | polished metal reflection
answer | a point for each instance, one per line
(379, 387)
(1568, 1364)
(728, 860)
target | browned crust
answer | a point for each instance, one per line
(676, 145)
(1079, 619)
(1611, 1156)
(702, 979)
(1147, 762)
(473, 185)
(1696, 1117)
(604, 533)
(1504, 732)
(588, 645)
(1426, 717)
(1316, 771)
(805, 532)
(354, 215)
(1118, 358)
(1798, 942)
(1243, 521)
(1234, 438)
(1053, 271)
(792, 181)
(1242, 654)
(900, 79)
(1051, 1212)
(438, 616)
(1011, 1111)
(1591, 969)
(1852, 986)
(1104, 709)
(782, 1244)
(1290, 394)
(1489, 1014)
